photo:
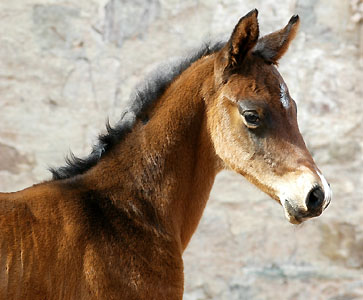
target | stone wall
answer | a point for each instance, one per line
(67, 65)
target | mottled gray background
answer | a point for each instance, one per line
(67, 65)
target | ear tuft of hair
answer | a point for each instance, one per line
(294, 19)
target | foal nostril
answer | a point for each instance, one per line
(315, 199)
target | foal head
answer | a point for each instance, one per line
(252, 121)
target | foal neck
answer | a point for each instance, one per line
(167, 165)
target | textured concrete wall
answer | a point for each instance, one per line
(67, 65)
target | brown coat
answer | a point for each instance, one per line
(114, 226)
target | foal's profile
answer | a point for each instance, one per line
(115, 224)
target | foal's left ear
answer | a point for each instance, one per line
(274, 45)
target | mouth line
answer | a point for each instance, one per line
(296, 217)
(292, 218)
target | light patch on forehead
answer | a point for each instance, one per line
(284, 98)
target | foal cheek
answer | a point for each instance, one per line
(229, 139)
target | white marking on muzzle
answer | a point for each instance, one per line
(295, 190)
(327, 190)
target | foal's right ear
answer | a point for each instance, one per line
(244, 37)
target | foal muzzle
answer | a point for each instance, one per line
(316, 201)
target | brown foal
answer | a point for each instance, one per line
(115, 224)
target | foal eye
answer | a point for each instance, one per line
(251, 118)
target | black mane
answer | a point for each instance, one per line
(144, 95)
